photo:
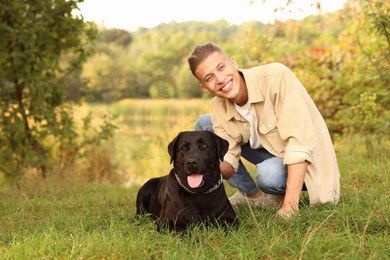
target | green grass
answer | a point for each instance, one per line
(64, 219)
(69, 218)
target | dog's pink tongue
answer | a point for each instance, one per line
(194, 180)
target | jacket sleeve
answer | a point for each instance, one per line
(293, 108)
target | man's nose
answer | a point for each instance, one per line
(220, 77)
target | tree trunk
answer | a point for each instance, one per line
(36, 146)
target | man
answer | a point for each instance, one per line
(267, 117)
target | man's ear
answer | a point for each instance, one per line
(233, 60)
(204, 89)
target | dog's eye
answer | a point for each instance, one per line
(203, 146)
(184, 147)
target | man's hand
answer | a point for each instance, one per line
(227, 170)
(286, 212)
(295, 180)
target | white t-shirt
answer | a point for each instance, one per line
(254, 140)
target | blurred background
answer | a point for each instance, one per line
(96, 90)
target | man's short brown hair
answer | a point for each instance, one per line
(200, 53)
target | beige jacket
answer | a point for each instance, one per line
(288, 124)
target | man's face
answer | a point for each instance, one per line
(219, 76)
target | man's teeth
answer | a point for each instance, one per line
(227, 86)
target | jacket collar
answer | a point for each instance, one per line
(254, 95)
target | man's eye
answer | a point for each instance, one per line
(208, 79)
(220, 68)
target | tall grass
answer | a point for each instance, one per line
(67, 218)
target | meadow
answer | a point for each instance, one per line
(68, 217)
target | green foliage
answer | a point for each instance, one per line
(340, 74)
(103, 71)
(41, 43)
(367, 109)
(117, 36)
(380, 14)
(153, 65)
(368, 118)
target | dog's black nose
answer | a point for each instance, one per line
(192, 164)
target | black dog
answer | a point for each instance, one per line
(193, 190)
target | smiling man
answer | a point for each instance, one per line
(268, 118)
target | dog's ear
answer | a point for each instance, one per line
(222, 146)
(172, 148)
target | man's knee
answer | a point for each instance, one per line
(271, 176)
(204, 123)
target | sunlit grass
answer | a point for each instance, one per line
(71, 220)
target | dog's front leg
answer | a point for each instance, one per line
(185, 217)
(171, 225)
(178, 220)
(168, 219)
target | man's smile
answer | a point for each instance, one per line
(227, 87)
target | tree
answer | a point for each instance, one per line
(41, 42)
(117, 36)
(108, 74)
(368, 113)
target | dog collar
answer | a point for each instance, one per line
(216, 186)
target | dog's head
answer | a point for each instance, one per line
(195, 156)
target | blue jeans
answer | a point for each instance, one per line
(271, 173)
